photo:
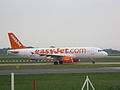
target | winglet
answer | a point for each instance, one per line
(15, 43)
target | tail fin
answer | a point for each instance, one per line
(15, 43)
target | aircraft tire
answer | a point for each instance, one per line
(93, 62)
(60, 62)
(55, 63)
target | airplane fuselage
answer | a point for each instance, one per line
(75, 52)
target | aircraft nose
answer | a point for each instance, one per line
(105, 54)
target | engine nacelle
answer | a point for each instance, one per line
(75, 60)
(67, 59)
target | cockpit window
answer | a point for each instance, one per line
(100, 50)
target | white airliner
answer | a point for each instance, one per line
(60, 55)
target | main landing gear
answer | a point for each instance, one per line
(93, 62)
(56, 62)
(60, 62)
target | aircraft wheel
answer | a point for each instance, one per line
(60, 62)
(55, 63)
(93, 62)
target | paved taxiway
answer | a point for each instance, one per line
(81, 63)
(45, 71)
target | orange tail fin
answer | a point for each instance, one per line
(15, 43)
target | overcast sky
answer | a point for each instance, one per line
(62, 23)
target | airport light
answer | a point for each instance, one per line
(12, 81)
(87, 81)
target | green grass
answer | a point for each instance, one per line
(102, 60)
(57, 66)
(101, 81)
(7, 55)
(114, 54)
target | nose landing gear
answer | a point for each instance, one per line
(93, 62)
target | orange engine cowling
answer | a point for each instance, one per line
(67, 59)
